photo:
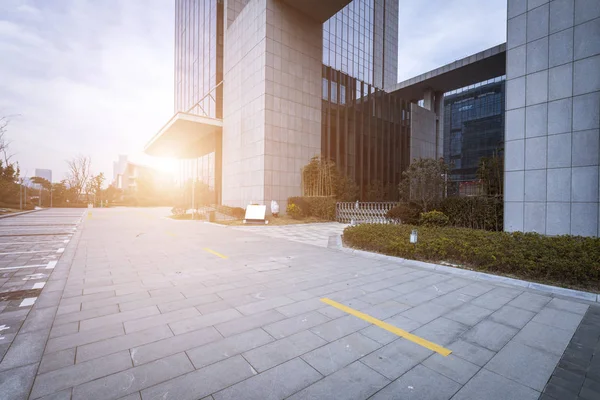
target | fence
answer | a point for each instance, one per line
(366, 212)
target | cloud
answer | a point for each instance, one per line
(85, 77)
(437, 32)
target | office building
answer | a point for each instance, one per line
(44, 173)
(261, 86)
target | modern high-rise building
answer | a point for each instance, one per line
(44, 173)
(261, 86)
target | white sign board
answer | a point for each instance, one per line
(255, 212)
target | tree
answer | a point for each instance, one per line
(78, 175)
(424, 182)
(491, 173)
(9, 171)
(94, 186)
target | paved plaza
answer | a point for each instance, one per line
(140, 306)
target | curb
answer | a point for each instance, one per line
(19, 213)
(578, 294)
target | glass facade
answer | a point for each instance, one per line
(199, 57)
(365, 131)
(473, 127)
(198, 71)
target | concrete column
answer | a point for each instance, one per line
(439, 129)
(429, 99)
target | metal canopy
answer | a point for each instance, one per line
(186, 136)
(320, 10)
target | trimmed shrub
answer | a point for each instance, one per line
(294, 211)
(405, 213)
(434, 218)
(475, 212)
(318, 207)
(236, 212)
(562, 260)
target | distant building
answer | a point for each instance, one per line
(118, 170)
(44, 173)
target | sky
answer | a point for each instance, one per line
(95, 77)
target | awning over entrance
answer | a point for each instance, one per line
(186, 136)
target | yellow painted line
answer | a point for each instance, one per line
(215, 253)
(171, 234)
(89, 216)
(390, 328)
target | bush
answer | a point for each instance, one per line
(294, 211)
(563, 260)
(433, 218)
(318, 207)
(405, 213)
(475, 212)
(236, 212)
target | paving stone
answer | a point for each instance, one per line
(59, 359)
(173, 345)
(192, 302)
(353, 382)
(418, 297)
(119, 317)
(573, 387)
(340, 327)
(134, 379)
(557, 392)
(404, 323)
(80, 338)
(332, 312)
(149, 301)
(558, 319)
(379, 296)
(124, 342)
(338, 354)
(69, 308)
(161, 319)
(250, 322)
(276, 383)
(300, 307)
(73, 375)
(62, 395)
(512, 316)
(589, 394)
(228, 347)
(86, 298)
(385, 310)
(452, 367)
(378, 334)
(86, 314)
(476, 289)
(544, 337)
(26, 348)
(491, 301)
(530, 301)
(452, 299)
(396, 358)
(275, 353)
(264, 305)
(468, 314)
(16, 383)
(490, 386)
(295, 324)
(489, 334)
(574, 378)
(471, 352)
(202, 382)
(420, 383)
(526, 365)
(566, 305)
(39, 319)
(425, 312)
(441, 331)
(203, 321)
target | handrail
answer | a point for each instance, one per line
(204, 97)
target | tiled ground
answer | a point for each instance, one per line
(146, 307)
(315, 234)
(30, 245)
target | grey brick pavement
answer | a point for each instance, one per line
(137, 309)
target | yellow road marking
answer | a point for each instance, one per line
(89, 216)
(171, 234)
(215, 253)
(391, 328)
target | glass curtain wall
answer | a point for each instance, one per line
(473, 128)
(198, 70)
(365, 131)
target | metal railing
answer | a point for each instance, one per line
(365, 212)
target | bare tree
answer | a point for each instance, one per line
(4, 142)
(79, 174)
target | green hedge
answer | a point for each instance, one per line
(561, 260)
(318, 207)
(478, 212)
